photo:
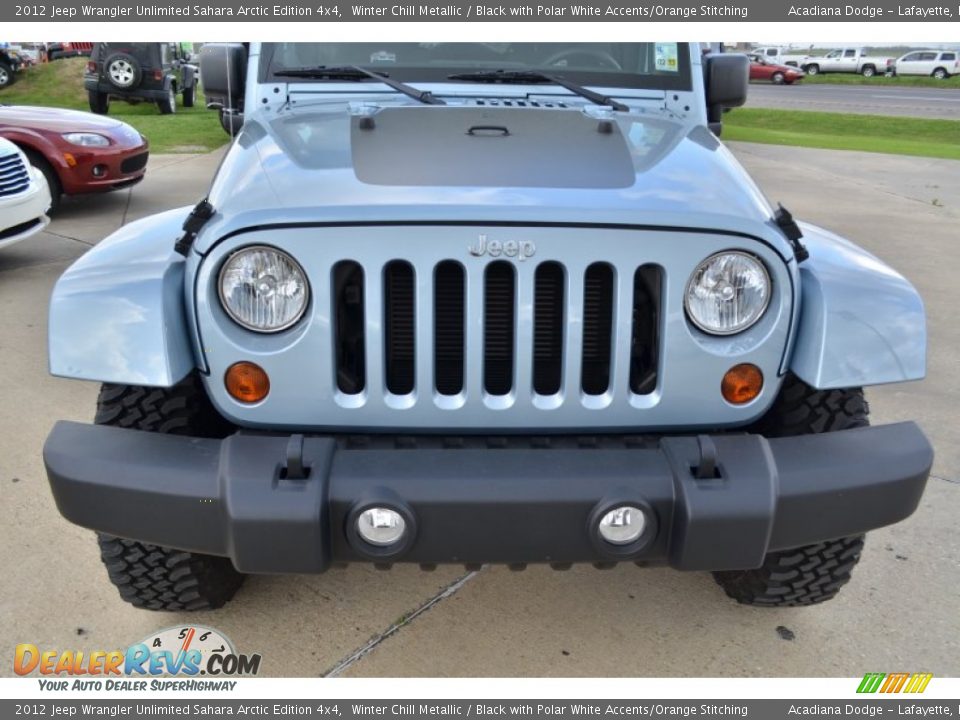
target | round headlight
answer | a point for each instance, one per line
(263, 289)
(727, 293)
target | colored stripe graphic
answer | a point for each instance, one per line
(871, 682)
(919, 682)
(894, 682)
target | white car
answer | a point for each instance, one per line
(24, 196)
(940, 64)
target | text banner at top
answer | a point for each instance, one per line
(332, 11)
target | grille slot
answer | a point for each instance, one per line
(548, 317)
(135, 163)
(645, 333)
(597, 328)
(14, 175)
(398, 301)
(448, 333)
(498, 327)
(349, 344)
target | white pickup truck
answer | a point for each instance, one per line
(849, 60)
(781, 56)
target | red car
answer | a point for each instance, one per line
(78, 152)
(762, 69)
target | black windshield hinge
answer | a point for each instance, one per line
(788, 226)
(195, 221)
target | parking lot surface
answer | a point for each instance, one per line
(900, 612)
(879, 99)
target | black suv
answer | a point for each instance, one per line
(156, 72)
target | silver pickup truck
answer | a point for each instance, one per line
(848, 60)
(481, 303)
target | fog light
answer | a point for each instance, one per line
(622, 525)
(381, 526)
(247, 382)
(99, 170)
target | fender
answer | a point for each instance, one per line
(189, 75)
(861, 322)
(117, 314)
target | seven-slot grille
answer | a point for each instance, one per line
(523, 341)
(14, 175)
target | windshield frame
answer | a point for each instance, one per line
(682, 81)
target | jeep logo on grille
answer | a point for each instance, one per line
(511, 248)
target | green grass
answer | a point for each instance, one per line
(60, 84)
(951, 83)
(837, 131)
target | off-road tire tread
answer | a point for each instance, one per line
(814, 573)
(159, 578)
(801, 410)
(154, 577)
(183, 409)
(795, 578)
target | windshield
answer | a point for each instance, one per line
(661, 66)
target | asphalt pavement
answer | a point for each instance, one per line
(879, 99)
(900, 612)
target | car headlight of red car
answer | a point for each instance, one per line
(86, 139)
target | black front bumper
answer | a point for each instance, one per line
(233, 498)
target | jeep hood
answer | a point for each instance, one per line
(404, 163)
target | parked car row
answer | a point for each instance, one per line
(940, 64)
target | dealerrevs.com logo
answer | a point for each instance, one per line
(183, 651)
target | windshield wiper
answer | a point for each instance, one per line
(355, 72)
(534, 76)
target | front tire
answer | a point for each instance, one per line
(813, 573)
(189, 96)
(152, 576)
(168, 106)
(777, 78)
(49, 174)
(795, 578)
(158, 578)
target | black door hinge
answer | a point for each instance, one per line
(788, 226)
(195, 221)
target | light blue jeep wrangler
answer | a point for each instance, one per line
(481, 303)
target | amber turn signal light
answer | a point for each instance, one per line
(741, 384)
(247, 382)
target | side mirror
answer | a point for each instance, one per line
(726, 81)
(223, 73)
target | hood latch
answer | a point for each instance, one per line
(788, 226)
(195, 221)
